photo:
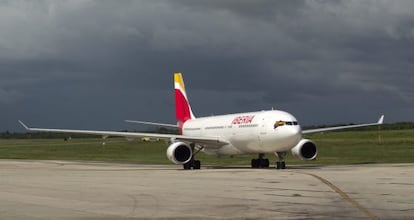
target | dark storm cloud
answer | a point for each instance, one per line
(91, 64)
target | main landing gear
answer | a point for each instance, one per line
(193, 164)
(264, 163)
(260, 162)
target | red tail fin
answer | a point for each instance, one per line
(182, 106)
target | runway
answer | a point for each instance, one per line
(91, 190)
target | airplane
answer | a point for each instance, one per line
(260, 132)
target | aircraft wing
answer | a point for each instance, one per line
(212, 142)
(311, 131)
(152, 123)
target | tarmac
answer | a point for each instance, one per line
(92, 190)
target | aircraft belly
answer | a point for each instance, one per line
(272, 143)
(243, 144)
(246, 143)
(229, 149)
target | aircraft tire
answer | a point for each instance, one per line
(255, 163)
(197, 164)
(265, 163)
(187, 166)
(282, 165)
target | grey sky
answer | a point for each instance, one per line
(91, 64)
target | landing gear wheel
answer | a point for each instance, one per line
(197, 165)
(260, 162)
(187, 166)
(194, 164)
(255, 163)
(280, 163)
(265, 163)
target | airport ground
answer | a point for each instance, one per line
(39, 189)
(357, 175)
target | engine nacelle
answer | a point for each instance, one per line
(305, 150)
(179, 153)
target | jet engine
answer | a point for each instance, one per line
(179, 153)
(305, 150)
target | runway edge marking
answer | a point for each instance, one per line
(345, 196)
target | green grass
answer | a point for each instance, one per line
(394, 146)
(352, 147)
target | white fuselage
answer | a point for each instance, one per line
(252, 132)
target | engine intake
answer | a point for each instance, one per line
(179, 153)
(305, 150)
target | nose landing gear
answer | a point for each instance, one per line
(280, 163)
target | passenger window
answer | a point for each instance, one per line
(289, 123)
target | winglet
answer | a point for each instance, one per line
(27, 128)
(381, 120)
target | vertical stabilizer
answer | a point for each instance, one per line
(182, 106)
